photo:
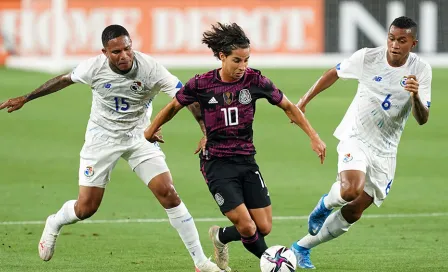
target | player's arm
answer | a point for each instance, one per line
(195, 109)
(165, 115)
(51, 86)
(298, 118)
(350, 68)
(324, 82)
(419, 109)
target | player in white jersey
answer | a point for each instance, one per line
(124, 83)
(392, 82)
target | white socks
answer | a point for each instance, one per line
(182, 221)
(179, 217)
(334, 199)
(65, 216)
(334, 226)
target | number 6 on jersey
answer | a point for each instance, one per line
(230, 116)
(386, 103)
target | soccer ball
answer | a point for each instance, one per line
(278, 259)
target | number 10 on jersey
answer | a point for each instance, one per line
(230, 116)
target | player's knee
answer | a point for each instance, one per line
(351, 189)
(246, 227)
(168, 197)
(265, 229)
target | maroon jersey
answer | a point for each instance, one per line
(228, 109)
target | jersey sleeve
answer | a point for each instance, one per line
(424, 89)
(352, 67)
(188, 93)
(84, 72)
(166, 82)
(267, 89)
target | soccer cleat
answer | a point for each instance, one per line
(47, 241)
(302, 256)
(221, 250)
(318, 216)
(210, 266)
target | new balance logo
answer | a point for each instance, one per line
(213, 101)
(377, 78)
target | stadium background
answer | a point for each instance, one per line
(294, 42)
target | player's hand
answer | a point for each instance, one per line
(13, 104)
(411, 85)
(319, 147)
(156, 137)
(201, 145)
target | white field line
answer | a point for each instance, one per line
(214, 219)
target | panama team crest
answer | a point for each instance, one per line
(89, 171)
(136, 86)
(347, 157)
(244, 97)
(403, 81)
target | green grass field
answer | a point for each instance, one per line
(39, 155)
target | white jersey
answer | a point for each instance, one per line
(122, 104)
(379, 111)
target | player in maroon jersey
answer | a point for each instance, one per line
(227, 98)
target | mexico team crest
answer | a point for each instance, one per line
(89, 171)
(403, 81)
(219, 199)
(136, 86)
(245, 97)
(228, 97)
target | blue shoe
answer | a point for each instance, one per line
(303, 256)
(318, 216)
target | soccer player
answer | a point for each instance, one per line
(124, 82)
(227, 99)
(392, 82)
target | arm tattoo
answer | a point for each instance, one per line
(53, 85)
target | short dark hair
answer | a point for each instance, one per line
(111, 32)
(225, 38)
(404, 22)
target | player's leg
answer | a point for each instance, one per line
(223, 184)
(251, 237)
(227, 179)
(256, 198)
(378, 182)
(98, 158)
(352, 168)
(258, 201)
(149, 164)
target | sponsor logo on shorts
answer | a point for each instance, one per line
(89, 171)
(219, 199)
(347, 157)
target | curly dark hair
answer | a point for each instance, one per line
(111, 32)
(225, 38)
(404, 22)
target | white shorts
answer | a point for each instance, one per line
(100, 154)
(353, 154)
